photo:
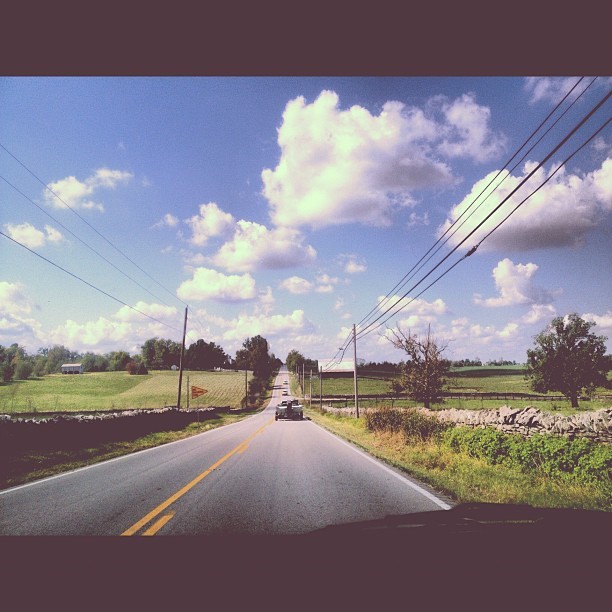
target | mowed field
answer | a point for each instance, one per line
(483, 379)
(120, 391)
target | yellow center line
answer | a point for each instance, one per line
(149, 517)
(158, 524)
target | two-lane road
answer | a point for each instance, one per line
(257, 476)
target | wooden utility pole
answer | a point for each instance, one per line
(321, 388)
(355, 368)
(178, 401)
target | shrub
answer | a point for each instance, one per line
(555, 456)
(412, 424)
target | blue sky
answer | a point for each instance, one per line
(291, 206)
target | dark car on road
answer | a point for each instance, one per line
(290, 409)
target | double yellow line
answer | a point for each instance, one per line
(157, 525)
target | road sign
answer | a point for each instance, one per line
(197, 391)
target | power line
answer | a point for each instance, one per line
(87, 283)
(82, 241)
(89, 224)
(414, 269)
(364, 331)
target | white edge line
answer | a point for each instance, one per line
(400, 477)
(144, 450)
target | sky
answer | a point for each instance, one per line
(296, 207)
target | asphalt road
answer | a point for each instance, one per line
(257, 476)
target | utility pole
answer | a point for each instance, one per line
(321, 388)
(355, 367)
(178, 401)
(246, 389)
(310, 392)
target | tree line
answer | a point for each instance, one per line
(155, 354)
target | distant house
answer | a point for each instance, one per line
(72, 368)
(174, 367)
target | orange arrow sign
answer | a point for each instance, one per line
(197, 391)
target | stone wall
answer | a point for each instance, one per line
(595, 425)
(74, 431)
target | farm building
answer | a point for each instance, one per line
(72, 368)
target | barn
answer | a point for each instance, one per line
(72, 368)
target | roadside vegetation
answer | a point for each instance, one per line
(471, 465)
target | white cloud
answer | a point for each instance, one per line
(467, 131)
(550, 89)
(167, 314)
(245, 326)
(344, 166)
(168, 220)
(325, 283)
(560, 214)
(514, 283)
(255, 247)
(210, 222)
(352, 264)
(90, 335)
(29, 236)
(418, 306)
(538, 313)
(13, 299)
(76, 194)
(296, 285)
(603, 324)
(208, 284)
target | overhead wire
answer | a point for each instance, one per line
(424, 259)
(87, 282)
(82, 241)
(89, 224)
(503, 220)
(364, 330)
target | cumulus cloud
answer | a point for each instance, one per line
(13, 299)
(77, 194)
(91, 334)
(168, 220)
(603, 323)
(549, 89)
(417, 307)
(296, 285)
(245, 326)
(208, 284)
(352, 264)
(210, 222)
(254, 247)
(558, 215)
(167, 314)
(515, 285)
(344, 166)
(29, 236)
(538, 313)
(467, 130)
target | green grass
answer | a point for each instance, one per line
(119, 390)
(485, 379)
(463, 478)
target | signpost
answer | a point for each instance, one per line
(197, 391)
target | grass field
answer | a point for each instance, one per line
(119, 390)
(484, 379)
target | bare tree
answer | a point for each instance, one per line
(424, 371)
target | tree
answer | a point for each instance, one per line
(203, 355)
(568, 358)
(423, 374)
(254, 356)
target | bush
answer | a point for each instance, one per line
(555, 456)
(23, 370)
(412, 424)
(135, 367)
